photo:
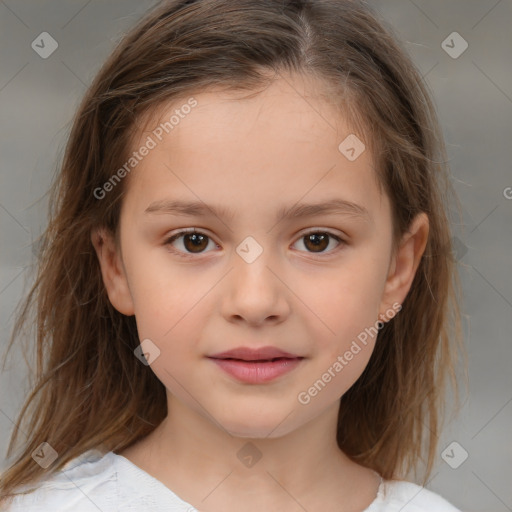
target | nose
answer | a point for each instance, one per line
(255, 292)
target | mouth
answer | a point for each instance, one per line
(255, 354)
(256, 366)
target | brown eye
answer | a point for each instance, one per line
(318, 241)
(193, 242)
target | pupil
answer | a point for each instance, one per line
(320, 243)
(196, 240)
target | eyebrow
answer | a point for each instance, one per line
(200, 209)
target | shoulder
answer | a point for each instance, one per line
(398, 495)
(83, 484)
(96, 481)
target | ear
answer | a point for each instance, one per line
(405, 262)
(112, 271)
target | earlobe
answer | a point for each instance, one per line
(405, 262)
(112, 271)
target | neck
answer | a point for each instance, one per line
(208, 466)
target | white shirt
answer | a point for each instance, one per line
(96, 482)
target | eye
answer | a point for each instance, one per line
(318, 241)
(194, 242)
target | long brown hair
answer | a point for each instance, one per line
(90, 389)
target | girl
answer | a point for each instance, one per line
(246, 287)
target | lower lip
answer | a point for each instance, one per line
(257, 372)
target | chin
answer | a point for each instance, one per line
(252, 427)
(252, 432)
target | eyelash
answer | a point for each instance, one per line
(193, 231)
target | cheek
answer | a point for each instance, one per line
(172, 305)
(345, 301)
(174, 324)
(165, 295)
(170, 316)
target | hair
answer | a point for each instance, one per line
(90, 390)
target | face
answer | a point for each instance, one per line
(261, 268)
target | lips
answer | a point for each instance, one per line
(256, 366)
(259, 354)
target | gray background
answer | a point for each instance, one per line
(473, 94)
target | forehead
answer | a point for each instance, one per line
(276, 145)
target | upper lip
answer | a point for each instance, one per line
(252, 354)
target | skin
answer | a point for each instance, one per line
(256, 156)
